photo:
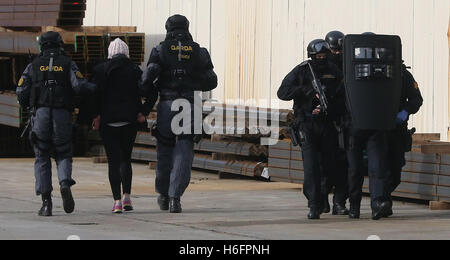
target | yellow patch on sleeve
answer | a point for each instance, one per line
(416, 85)
(21, 82)
(79, 75)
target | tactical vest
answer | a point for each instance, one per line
(179, 62)
(51, 88)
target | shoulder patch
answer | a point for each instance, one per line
(20, 82)
(79, 75)
(416, 85)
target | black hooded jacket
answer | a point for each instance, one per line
(119, 97)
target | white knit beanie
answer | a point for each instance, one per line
(118, 47)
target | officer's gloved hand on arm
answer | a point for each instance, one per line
(402, 117)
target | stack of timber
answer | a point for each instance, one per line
(426, 175)
(32, 13)
(286, 162)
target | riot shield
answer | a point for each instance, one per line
(373, 71)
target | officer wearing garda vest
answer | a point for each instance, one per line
(47, 88)
(177, 67)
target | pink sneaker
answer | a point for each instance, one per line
(117, 209)
(127, 204)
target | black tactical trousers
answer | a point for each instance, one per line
(376, 144)
(175, 155)
(319, 159)
(397, 148)
(338, 180)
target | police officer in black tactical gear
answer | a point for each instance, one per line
(314, 125)
(372, 68)
(335, 40)
(340, 180)
(400, 139)
(47, 88)
(177, 68)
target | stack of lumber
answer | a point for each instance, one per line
(286, 162)
(32, 13)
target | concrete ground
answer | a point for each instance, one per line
(213, 209)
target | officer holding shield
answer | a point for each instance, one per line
(372, 69)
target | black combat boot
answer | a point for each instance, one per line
(390, 212)
(175, 205)
(380, 209)
(326, 205)
(340, 210)
(354, 212)
(47, 206)
(67, 198)
(314, 214)
(163, 202)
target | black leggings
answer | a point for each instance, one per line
(118, 142)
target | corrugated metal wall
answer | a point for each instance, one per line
(255, 43)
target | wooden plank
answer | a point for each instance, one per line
(444, 180)
(279, 173)
(281, 154)
(285, 164)
(279, 163)
(414, 188)
(445, 159)
(9, 121)
(423, 158)
(444, 170)
(443, 192)
(439, 205)
(423, 138)
(436, 147)
(421, 168)
(10, 100)
(9, 110)
(420, 178)
(297, 175)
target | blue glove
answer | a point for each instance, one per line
(402, 117)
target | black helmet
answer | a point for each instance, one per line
(318, 46)
(177, 22)
(50, 40)
(334, 39)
